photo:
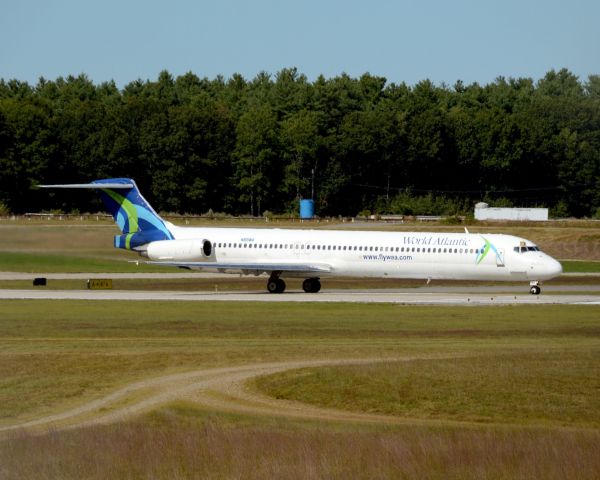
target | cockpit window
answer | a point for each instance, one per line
(524, 249)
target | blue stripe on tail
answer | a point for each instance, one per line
(138, 221)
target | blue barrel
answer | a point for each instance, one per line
(307, 208)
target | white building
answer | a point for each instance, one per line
(484, 212)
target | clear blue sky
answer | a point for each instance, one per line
(443, 40)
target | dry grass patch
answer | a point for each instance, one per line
(173, 447)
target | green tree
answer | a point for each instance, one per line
(255, 155)
(300, 140)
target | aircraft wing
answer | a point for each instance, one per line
(251, 266)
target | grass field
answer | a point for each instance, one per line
(554, 388)
(474, 392)
(523, 380)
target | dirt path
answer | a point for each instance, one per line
(222, 389)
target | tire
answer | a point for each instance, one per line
(311, 285)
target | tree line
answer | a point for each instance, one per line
(249, 146)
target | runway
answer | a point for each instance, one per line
(396, 296)
(501, 294)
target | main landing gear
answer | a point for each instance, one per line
(311, 285)
(534, 287)
(275, 284)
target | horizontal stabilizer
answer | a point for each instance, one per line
(114, 186)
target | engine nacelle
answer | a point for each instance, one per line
(179, 250)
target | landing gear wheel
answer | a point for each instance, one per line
(276, 285)
(311, 285)
(535, 290)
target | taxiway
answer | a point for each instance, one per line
(398, 296)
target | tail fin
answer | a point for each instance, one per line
(138, 221)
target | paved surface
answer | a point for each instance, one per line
(432, 294)
(128, 276)
(162, 276)
(400, 296)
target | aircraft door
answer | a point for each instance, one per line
(500, 257)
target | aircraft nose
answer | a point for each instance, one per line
(555, 268)
(550, 268)
(545, 269)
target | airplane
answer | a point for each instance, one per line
(316, 254)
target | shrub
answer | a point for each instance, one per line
(4, 210)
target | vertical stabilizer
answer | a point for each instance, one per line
(137, 220)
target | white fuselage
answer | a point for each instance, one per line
(421, 255)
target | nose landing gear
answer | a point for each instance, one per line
(534, 287)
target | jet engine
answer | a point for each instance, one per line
(179, 250)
